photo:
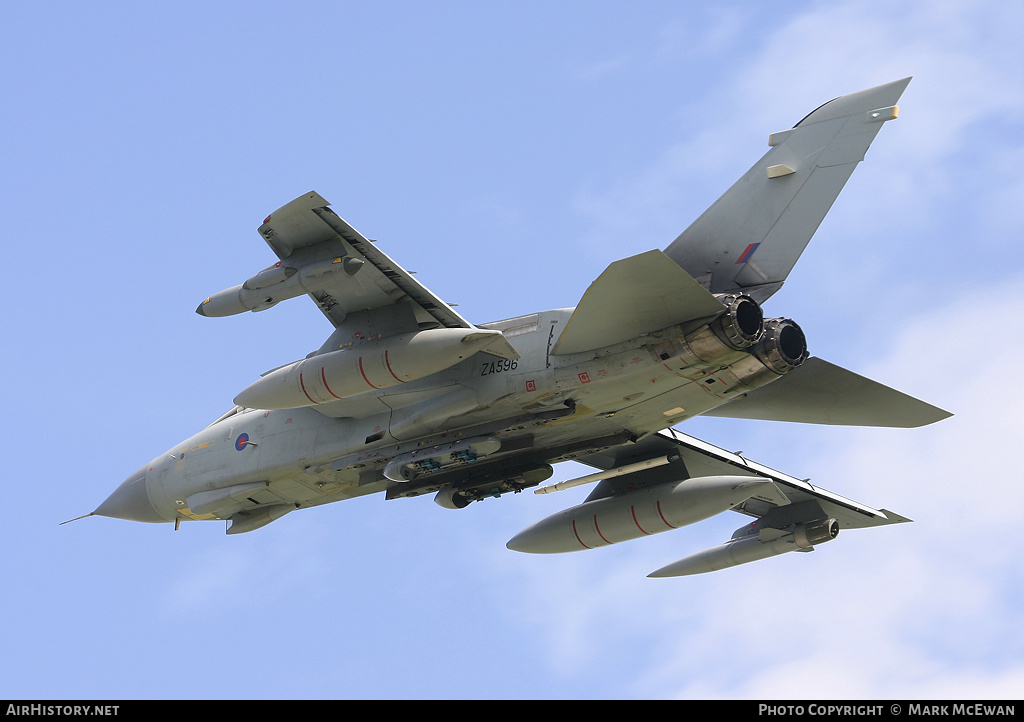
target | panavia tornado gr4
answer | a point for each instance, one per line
(406, 397)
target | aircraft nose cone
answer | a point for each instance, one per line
(130, 501)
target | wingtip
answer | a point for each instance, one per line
(894, 518)
(929, 415)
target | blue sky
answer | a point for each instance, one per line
(507, 152)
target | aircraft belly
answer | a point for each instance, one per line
(659, 411)
(637, 390)
(631, 388)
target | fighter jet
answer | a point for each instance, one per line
(406, 397)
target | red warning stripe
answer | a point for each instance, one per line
(323, 376)
(663, 517)
(388, 364)
(598, 530)
(303, 385)
(364, 374)
(578, 535)
(632, 510)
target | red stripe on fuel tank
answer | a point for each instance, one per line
(632, 510)
(388, 364)
(663, 517)
(598, 530)
(578, 535)
(364, 374)
(324, 377)
(303, 385)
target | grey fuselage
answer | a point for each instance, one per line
(542, 407)
(407, 397)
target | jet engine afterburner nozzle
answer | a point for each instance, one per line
(723, 340)
(742, 324)
(783, 347)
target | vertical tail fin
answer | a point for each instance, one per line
(752, 236)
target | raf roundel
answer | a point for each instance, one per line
(241, 442)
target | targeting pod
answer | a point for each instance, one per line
(766, 543)
(278, 283)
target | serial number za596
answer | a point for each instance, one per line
(496, 367)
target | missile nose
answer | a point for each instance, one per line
(130, 501)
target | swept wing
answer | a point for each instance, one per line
(358, 287)
(307, 233)
(806, 501)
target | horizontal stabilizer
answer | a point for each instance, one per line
(818, 392)
(633, 296)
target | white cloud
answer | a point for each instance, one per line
(918, 610)
(966, 67)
